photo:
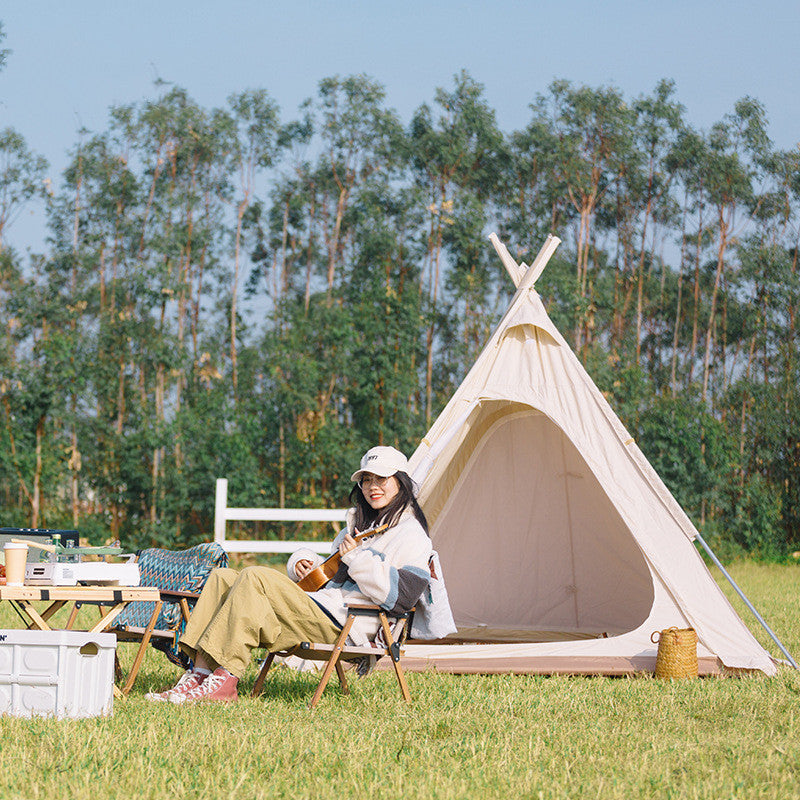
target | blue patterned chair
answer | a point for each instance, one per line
(180, 575)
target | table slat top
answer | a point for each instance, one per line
(106, 592)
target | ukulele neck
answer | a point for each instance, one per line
(371, 532)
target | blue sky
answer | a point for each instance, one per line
(72, 60)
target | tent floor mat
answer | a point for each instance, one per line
(548, 665)
(514, 636)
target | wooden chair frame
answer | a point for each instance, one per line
(132, 633)
(334, 654)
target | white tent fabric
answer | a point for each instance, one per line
(562, 549)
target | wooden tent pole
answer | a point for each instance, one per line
(520, 274)
(516, 271)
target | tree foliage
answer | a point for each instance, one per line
(228, 292)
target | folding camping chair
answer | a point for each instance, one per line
(180, 576)
(334, 654)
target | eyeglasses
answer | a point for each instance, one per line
(367, 478)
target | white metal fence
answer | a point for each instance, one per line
(223, 514)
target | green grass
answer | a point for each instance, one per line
(463, 737)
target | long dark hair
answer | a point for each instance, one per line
(368, 517)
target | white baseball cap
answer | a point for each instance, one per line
(383, 461)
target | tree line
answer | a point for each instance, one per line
(234, 292)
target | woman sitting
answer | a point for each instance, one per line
(261, 607)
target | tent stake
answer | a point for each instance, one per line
(745, 600)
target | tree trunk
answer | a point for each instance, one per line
(158, 452)
(74, 463)
(13, 449)
(678, 310)
(284, 235)
(585, 208)
(36, 499)
(746, 397)
(723, 243)
(434, 293)
(234, 292)
(696, 307)
(151, 197)
(310, 250)
(640, 278)
(333, 243)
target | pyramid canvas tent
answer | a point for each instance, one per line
(562, 549)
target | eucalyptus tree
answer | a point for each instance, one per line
(533, 201)
(188, 154)
(382, 295)
(3, 52)
(659, 122)
(737, 147)
(593, 129)
(351, 136)
(342, 374)
(35, 386)
(762, 399)
(685, 164)
(141, 214)
(22, 178)
(22, 181)
(93, 228)
(456, 154)
(348, 151)
(15, 355)
(255, 129)
(636, 216)
(285, 250)
(359, 136)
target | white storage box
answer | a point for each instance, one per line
(56, 673)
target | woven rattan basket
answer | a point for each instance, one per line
(677, 653)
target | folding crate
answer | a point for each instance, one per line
(56, 673)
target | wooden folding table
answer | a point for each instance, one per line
(112, 599)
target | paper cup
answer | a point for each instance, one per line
(16, 558)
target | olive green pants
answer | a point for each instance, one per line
(257, 607)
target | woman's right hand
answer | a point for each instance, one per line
(303, 567)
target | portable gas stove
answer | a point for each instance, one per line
(54, 573)
(64, 566)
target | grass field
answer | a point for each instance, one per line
(463, 737)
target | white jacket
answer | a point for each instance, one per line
(390, 569)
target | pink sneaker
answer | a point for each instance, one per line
(189, 681)
(220, 686)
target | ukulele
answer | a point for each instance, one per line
(320, 575)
